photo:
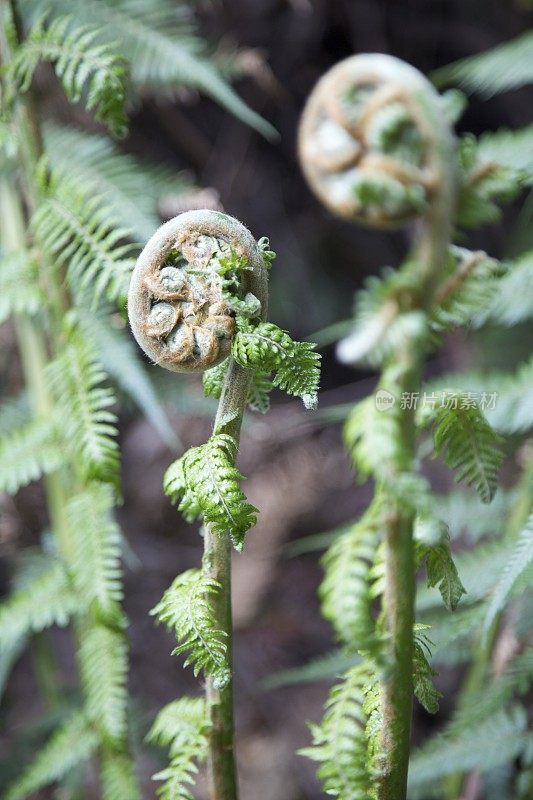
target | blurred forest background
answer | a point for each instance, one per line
(298, 472)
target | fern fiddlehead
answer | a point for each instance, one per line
(376, 150)
(198, 303)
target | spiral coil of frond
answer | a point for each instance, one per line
(368, 141)
(189, 281)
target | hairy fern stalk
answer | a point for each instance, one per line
(198, 303)
(67, 230)
(376, 148)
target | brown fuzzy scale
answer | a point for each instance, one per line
(333, 147)
(176, 309)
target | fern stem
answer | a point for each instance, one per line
(217, 562)
(34, 358)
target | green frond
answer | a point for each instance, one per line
(464, 514)
(477, 280)
(346, 589)
(96, 546)
(213, 380)
(72, 744)
(266, 348)
(452, 634)
(160, 42)
(469, 444)
(511, 149)
(372, 436)
(505, 67)
(132, 189)
(47, 599)
(183, 727)
(506, 397)
(512, 302)
(482, 746)
(76, 379)
(87, 70)
(483, 186)
(424, 689)
(206, 482)
(380, 325)
(479, 569)
(117, 776)
(340, 742)
(186, 608)
(120, 359)
(79, 230)
(258, 398)
(103, 657)
(518, 564)
(441, 571)
(28, 453)
(20, 292)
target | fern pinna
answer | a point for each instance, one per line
(67, 229)
(376, 147)
(198, 303)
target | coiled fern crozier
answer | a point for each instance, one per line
(377, 149)
(198, 303)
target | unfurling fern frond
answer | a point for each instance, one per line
(206, 482)
(28, 453)
(76, 379)
(78, 229)
(96, 548)
(85, 68)
(507, 66)
(103, 666)
(186, 609)
(266, 348)
(346, 591)
(469, 444)
(340, 742)
(517, 565)
(47, 599)
(73, 743)
(183, 727)
(20, 292)
(159, 40)
(117, 776)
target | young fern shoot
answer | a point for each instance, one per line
(198, 303)
(376, 149)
